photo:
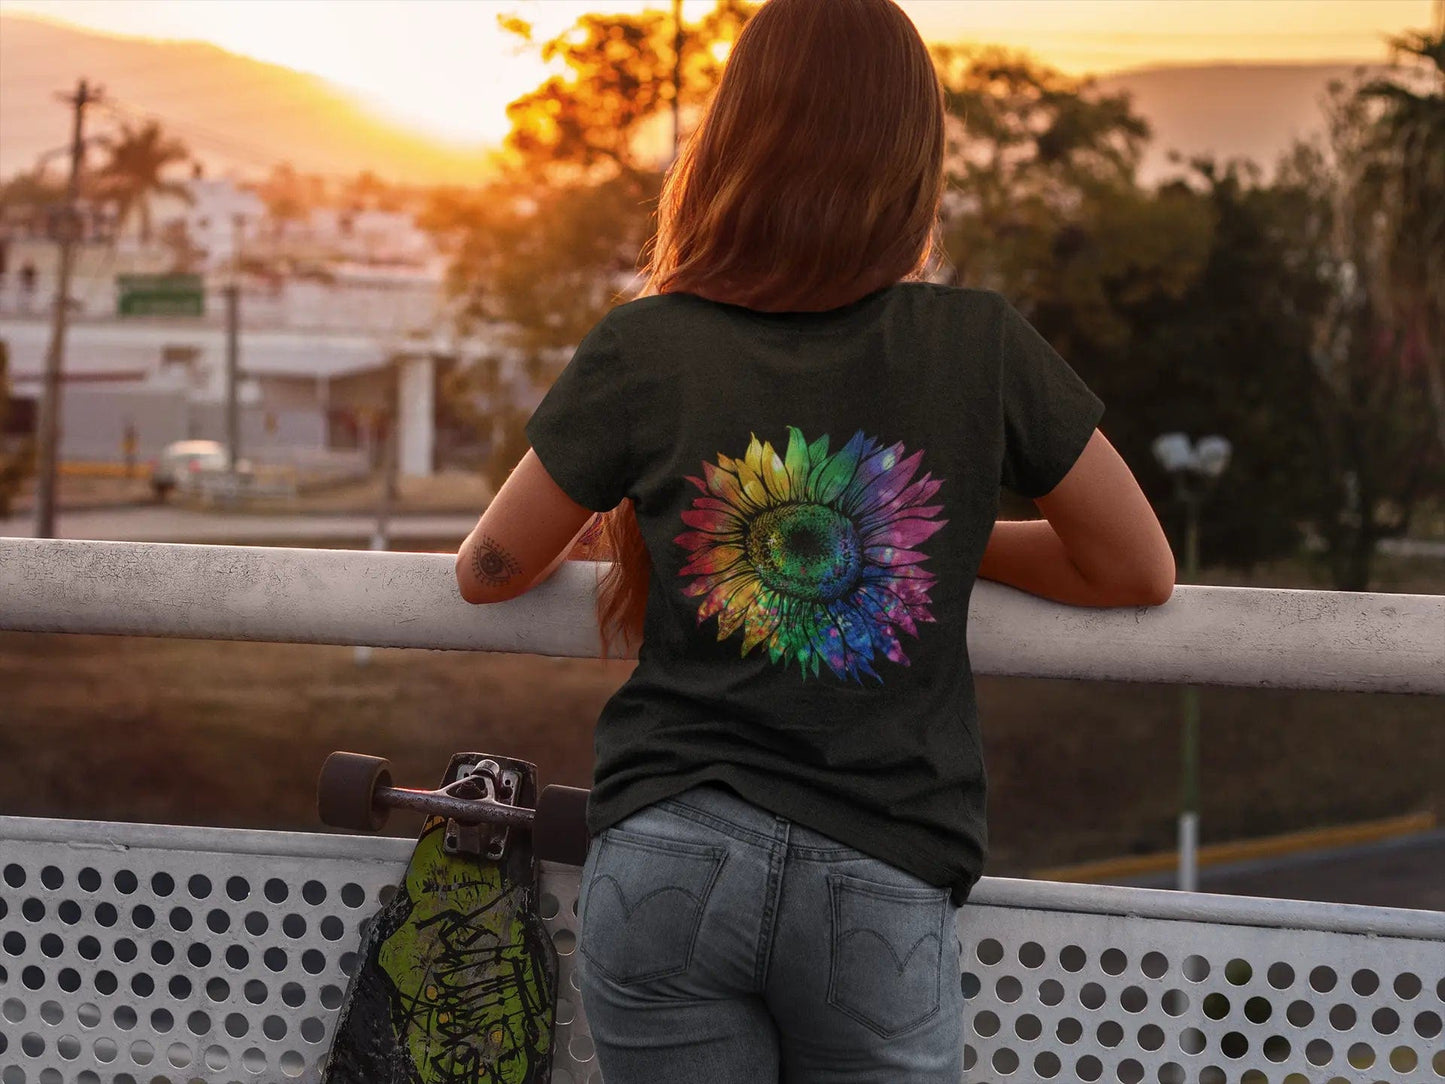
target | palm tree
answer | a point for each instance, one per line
(134, 173)
(1408, 180)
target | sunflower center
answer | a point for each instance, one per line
(805, 550)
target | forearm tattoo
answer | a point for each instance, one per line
(493, 565)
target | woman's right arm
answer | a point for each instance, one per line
(1099, 543)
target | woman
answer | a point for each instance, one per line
(798, 446)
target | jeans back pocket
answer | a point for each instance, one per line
(887, 943)
(645, 899)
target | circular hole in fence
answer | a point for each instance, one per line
(1089, 1067)
(293, 926)
(1133, 999)
(1403, 1059)
(1051, 992)
(1109, 1033)
(253, 1060)
(142, 917)
(293, 994)
(314, 893)
(87, 1014)
(1192, 1041)
(292, 1064)
(1238, 972)
(105, 1050)
(141, 1052)
(217, 1058)
(331, 996)
(1385, 1021)
(1008, 989)
(1257, 1010)
(985, 1024)
(256, 923)
(1047, 1065)
(1091, 995)
(162, 884)
(1276, 1048)
(1216, 1006)
(178, 1054)
(31, 909)
(69, 912)
(217, 921)
(1113, 961)
(352, 894)
(255, 991)
(51, 945)
(236, 1025)
(142, 985)
(274, 1028)
(1151, 1037)
(312, 1029)
(51, 1012)
(1342, 1016)
(332, 928)
(1407, 986)
(15, 875)
(180, 919)
(125, 950)
(179, 987)
(237, 958)
(1361, 1056)
(51, 877)
(989, 951)
(313, 961)
(32, 978)
(1072, 958)
(1154, 965)
(276, 890)
(1005, 1061)
(1031, 954)
(1319, 1052)
(32, 1045)
(198, 1023)
(198, 955)
(1196, 968)
(125, 1017)
(161, 1021)
(1171, 1073)
(163, 952)
(88, 879)
(1323, 979)
(1069, 1031)
(971, 985)
(1028, 1027)
(237, 888)
(1130, 1071)
(1427, 1025)
(1364, 982)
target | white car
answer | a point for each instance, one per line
(182, 463)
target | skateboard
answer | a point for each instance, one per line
(456, 976)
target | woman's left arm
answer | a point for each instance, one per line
(524, 534)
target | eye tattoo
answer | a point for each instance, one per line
(493, 565)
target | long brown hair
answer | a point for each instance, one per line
(812, 179)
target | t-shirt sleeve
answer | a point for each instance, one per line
(1049, 413)
(580, 429)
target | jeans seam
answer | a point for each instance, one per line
(772, 892)
(737, 831)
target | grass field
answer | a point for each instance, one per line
(232, 734)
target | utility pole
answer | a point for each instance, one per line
(233, 349)
(390, 416)
(676, 76)
(49, 422)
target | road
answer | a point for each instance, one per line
(165, 524)
(1404, 872)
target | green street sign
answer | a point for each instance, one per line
(160, 295)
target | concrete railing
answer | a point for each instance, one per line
(159, 953)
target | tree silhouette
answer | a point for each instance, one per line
(134, 172)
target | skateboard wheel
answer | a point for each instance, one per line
(346, 791)
(559, 832)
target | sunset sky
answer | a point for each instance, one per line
(444, 66)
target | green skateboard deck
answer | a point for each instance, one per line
(456, 976)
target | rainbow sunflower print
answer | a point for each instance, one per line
(813, 555)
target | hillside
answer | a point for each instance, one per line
(235, 113)
(240, 114)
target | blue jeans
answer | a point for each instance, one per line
(723, 944)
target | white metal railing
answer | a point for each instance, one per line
(142, 952)
(1203, 635)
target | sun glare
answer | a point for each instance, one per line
(447, 68)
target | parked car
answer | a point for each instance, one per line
(182, 463)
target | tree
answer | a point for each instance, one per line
(134, 172)
(542, 252)
(1407, 174)
(1376, 450)
(15, 463)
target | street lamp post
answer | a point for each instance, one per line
(1194, 468)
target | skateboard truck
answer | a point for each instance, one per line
(355, 792)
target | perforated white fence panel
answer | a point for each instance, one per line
(142, 953)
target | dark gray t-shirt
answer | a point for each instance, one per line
(815, 491)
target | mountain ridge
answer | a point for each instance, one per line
(242, 115)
